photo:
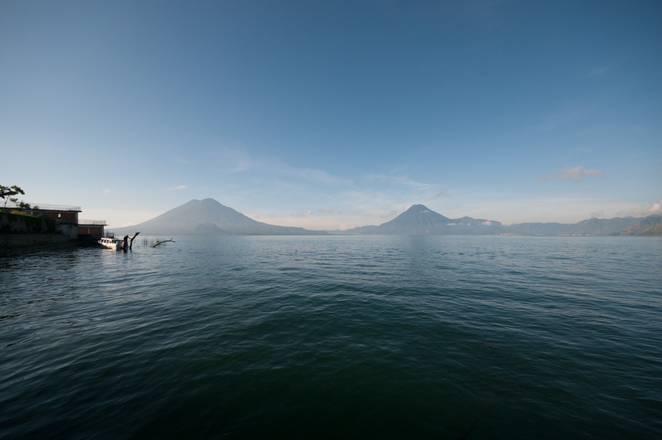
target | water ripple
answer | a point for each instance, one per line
(455, 337)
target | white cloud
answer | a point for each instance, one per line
(178, 188)
(639, 210)
(598, 71)
(316, 198)
(239, 160)
(579, 173)
(371, 208)
(391, 179)
(565, 116)
(312, 175)
(576, 174)
(330, 201)
(655, 208)
(232, 160)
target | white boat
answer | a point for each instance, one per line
(110, 243)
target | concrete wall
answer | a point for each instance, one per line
(91, 231)
(69, 231)
(31, 240)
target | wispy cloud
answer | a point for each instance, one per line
(311, 175)
(235, 160)
(565, 116)
(178, 188)
(575, 174)
(338, 202)
(416, 188)
(655, 208)
(240, 160)
(228, 159)
(598, 71)
(640, 209)
(400, 180)
(579, 173)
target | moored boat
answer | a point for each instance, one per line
(110, 243)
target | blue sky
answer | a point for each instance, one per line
(334, 114)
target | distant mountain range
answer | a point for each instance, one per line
(593, 226)
(420, 220)
(208, 216)
(651, 225)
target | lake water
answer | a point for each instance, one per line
(309, 337)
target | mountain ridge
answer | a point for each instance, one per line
(648, 226)
(209, 217)
(418, 219)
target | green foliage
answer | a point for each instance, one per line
(9, 193)
(21, 222)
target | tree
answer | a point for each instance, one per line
(9, 193)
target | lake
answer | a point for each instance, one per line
(306, 337)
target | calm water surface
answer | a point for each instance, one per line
(308, 337)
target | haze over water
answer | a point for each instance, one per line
(306, 337)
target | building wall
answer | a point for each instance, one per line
(9, 241)
(61, 216)
(12, 223)
(68, 230)
(90, 231)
